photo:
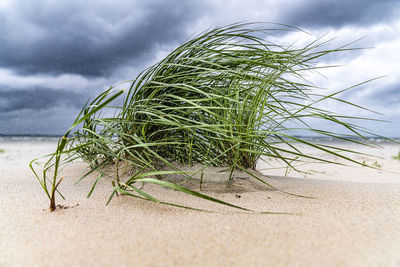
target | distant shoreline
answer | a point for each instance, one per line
(28, 137)
(38, 137)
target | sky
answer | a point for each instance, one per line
(54, 55)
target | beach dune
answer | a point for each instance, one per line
(353, 218)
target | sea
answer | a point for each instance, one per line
(317, 139)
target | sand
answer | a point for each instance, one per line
(353, 220)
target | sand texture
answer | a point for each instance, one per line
(353, 220)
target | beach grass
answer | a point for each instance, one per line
(397, 157)
(2, 150)
(227, 97)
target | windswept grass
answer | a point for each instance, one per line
(224, 98)
(2, 150)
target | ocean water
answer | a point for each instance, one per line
(5, 138)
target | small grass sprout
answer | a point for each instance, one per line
(397, 157)
(2, 150)
(376, 164)
(228, 97)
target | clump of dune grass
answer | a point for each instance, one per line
(2, 150)
(397, 157)
(227, 97)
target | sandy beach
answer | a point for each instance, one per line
(353, 219)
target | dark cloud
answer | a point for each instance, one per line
(321, 13)
(384, 97)
(91, 37)
(52, 121)
(42, 39)
(39, 99)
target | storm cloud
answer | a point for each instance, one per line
(39, 99)
(323, 13)
(54, 55)
(88, 37)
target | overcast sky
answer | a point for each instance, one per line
(54, 55)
